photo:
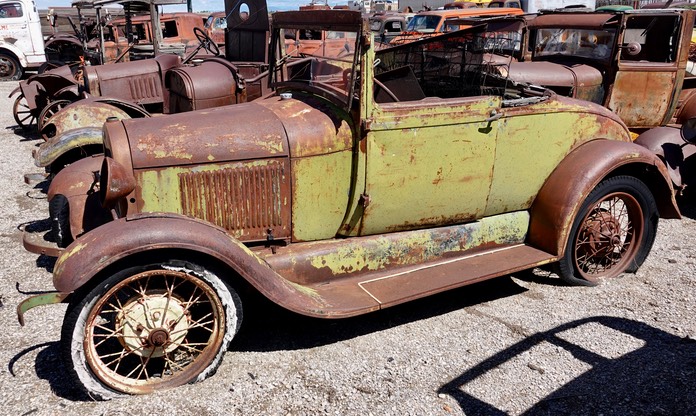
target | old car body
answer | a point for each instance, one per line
(429, 23)
(177, 34)
(162, 85)
(631, 62)
(387, 25)
(215, 26)
(341, 194)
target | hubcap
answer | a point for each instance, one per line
(152, 326)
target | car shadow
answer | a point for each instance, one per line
(653, 379)
(49, 367)
(687, 205)
(292, 331)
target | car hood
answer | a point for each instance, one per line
(267, 128)
(551, 74)
(229, 133)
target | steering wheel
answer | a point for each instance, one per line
(206, 42)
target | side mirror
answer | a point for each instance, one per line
(632, 48)
(688, 130)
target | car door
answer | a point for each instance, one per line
(650, 69)
(428, 162)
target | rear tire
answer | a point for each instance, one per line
(149, 328)
(612, 233)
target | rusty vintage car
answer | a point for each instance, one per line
(431, 23)
(337, 196)
(43, 94)
(387, 25)
(634, 62)
(166, 84)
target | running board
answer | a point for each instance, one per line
(372, 291)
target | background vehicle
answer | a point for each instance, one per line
(19, 20)
(386, 26)
(341, 194)
(430, 23)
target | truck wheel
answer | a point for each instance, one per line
(612, 233)
(10, 70)
(149, 328)
(23, 115)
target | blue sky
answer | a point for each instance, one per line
(201, 5)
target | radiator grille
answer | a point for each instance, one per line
(246, 199)
(144, 88)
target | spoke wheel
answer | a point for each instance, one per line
(49, 111)
(150, 330)
(23, 115)
(613, 232)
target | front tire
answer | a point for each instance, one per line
(149, 328)
(612, 233)
(10, 69)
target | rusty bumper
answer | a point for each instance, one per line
(39, 300)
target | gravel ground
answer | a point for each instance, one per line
(521, 344)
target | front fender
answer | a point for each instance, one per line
(116, 241)
(18, 53)
(90, 112)
(61, 144)
(561, 196)
(77, 183)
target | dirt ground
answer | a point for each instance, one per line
(520, 344)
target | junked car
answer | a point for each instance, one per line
(433, 22)
(341, 194)
(632, 62)
(166, 84)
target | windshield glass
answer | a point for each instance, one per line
(325, 59)
(423, 24)
(587, 43)
(375, 25)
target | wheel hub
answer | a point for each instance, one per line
(602, 231)
(152, 325)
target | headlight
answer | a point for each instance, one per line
(115, 182)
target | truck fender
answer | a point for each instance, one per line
(92, 256)
(6, 47)
(77, 184)
(560, 198)
(14, 91)
(667, 143)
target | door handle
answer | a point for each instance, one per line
(495, 115)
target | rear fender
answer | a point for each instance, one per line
(667, 143)
(561, 196)
(112, 246)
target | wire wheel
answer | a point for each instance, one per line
(612, 233)
(608, 237)
(49, 111)
(154, 329)
(23, 115)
